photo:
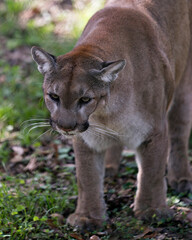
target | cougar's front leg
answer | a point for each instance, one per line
(90, 211)
(151, 193)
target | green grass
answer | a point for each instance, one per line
(26, 210)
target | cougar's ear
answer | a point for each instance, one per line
(46, 62)
(109, 72)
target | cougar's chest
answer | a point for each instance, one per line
(99, 141)
(130, 131)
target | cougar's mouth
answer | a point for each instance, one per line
(69, 132)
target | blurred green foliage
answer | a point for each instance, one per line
(21, 95)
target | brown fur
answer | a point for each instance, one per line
(142, 99)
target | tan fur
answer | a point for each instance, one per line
(142, 99)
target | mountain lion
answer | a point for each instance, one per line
(128, 81)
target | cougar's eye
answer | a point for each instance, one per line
(85, 100)
(54, 97)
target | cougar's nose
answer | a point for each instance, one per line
(63, 128)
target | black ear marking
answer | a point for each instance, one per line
(106, 64)
(54, 58)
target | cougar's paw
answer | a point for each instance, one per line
(183, 185)
(154, 214)
(84, 222)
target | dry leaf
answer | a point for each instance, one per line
(147, 232)
(94, 237)
(151, 235)
(16, 159)
(2, 79)
(32, 165)
(70, 165)
(76, 236)
(18, 150)
(183, 209)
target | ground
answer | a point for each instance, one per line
(38, 192)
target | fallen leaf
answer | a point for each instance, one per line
(18, 154)
(183, 209)
(94, 237)
(70, 165)
(32, 165)
(162, 237)
(147, 232)
(76, 236)
(152, 235)
(18, 150)
(2, 79)
(16, 159)
(101, 234)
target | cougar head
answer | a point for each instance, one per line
(75, 84)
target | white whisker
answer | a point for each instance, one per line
(54, 132)
(106, 134)
(51, 132)
(35, 119)
(43, 134)
(105, 131)
(104, 128)
(36, 124)
(39, 126)
(96, 133)
(93, 132)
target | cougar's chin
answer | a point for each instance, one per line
(68, 133)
